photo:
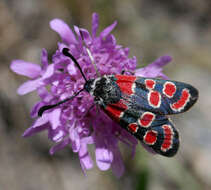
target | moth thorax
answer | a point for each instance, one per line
(106, 89)
(89, 85)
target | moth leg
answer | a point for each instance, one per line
(129, 71)
(98, 109)
(99, 102)
(87, 112)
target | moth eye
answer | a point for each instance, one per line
(97, 98)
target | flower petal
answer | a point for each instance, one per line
(25, 68)
(88, 140)
(85, 158)
(117, 164)
(44, 94)
(32, 131)
(162, 61)
(59, 146)
(44, 59)
(104, 158)
(95, 23)
(41, 121)
(39, 125)
(148, 149)
(54, 118)
(72, 70)
(63, 30)
(49, 72)
(107, 30)
(155, 68)
(129, 140)
(78, 33)
(36, 108)
(75, 139)
(55, 135)
(29, 86)
(86, 36)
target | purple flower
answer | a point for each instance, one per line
(74, 123)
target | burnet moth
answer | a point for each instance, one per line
(140, 105)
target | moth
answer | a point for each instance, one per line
(140, 105)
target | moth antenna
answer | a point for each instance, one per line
(93, 62)
(66, 52)
(90, 56)
(47, 107)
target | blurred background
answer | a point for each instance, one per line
(150, 29)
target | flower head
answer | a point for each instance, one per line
(75, 123)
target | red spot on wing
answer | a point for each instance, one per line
(150, 84)
(169, 89)
(146, 119)
(150, 137)
(180, 104)
(125, 83)
(168, 137)
(116, 110)
(154, 99)
(133, 127)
